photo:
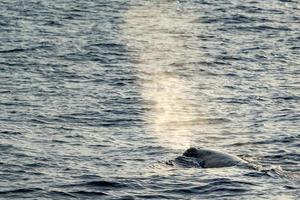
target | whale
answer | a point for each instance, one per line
(208, 158)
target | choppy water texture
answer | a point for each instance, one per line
(95, 96)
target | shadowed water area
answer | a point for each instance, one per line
(96, 98)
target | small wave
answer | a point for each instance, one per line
(38, 121)
(227, 181)
(4, 147)
(286, 98)
(288, 139)
(254, 174)
(21, 190)
(261, 28)
(89, 193)
(88, 176)
(100, 184)
(37, 165)
(13, 50)
(110, 45)
(18, 50)
(285, 156)
(149, 196)
(194, 122)
(53, 23)
(10, 133)
(254, 9)
(120, 122)
(60, 193)
(214, 188)
(105, 184)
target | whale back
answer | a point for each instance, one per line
(193, 152)
(202, 153)
(208, 158)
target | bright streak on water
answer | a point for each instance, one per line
(155, 30)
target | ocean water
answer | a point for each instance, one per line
(96, 96)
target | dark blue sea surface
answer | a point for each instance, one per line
(97, 95)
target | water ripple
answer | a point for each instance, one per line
(95, 95)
